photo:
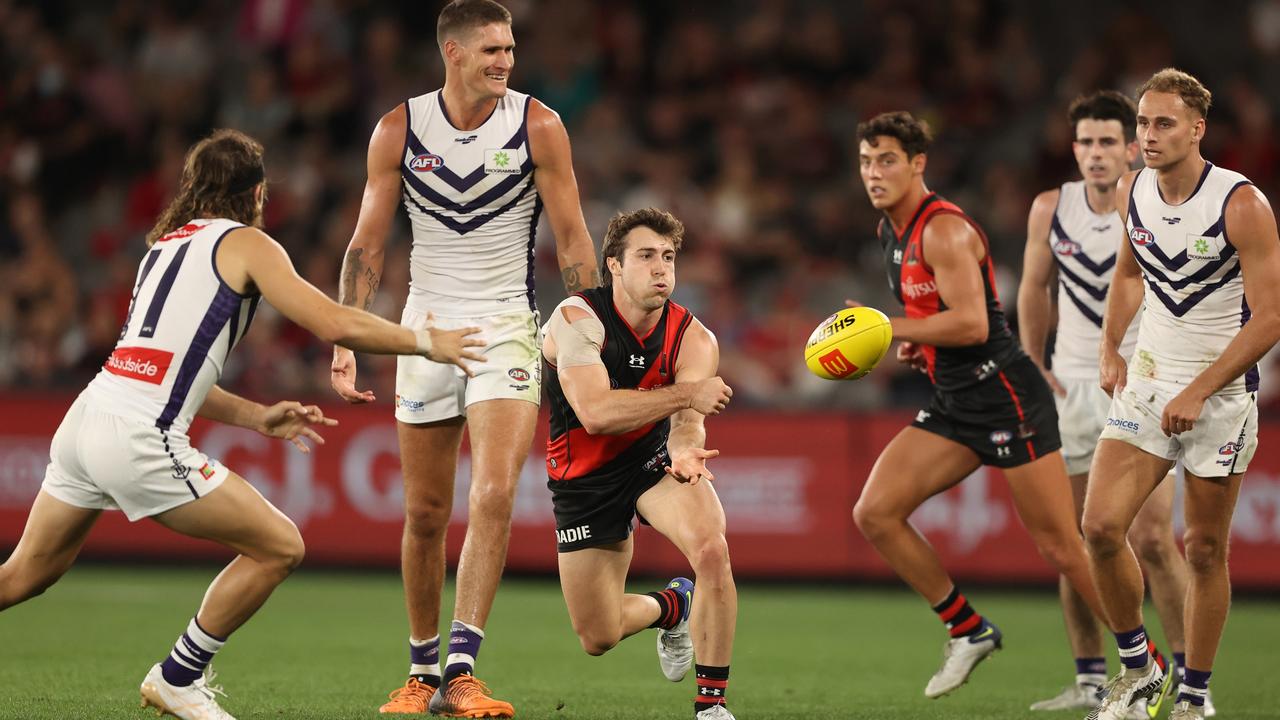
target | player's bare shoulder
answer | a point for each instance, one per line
(1124, 188)
(948, 234)
(548, 138)
(1045, 204)
(699, 351)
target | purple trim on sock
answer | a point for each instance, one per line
(1091, 666)
(463, 641)
(1129, 640)
(177, 674)
(1198, 679)
(189, 647)
(428, 654)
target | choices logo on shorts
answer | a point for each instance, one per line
(1129, 426)
(410, 405)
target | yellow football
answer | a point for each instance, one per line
(848, 344)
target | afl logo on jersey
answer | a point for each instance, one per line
(1068, 247)
(426, 163)
(1141, 236)
(518, 374)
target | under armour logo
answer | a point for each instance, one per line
(637, 361)
(897, 256)
(922, 415)
(710, 691)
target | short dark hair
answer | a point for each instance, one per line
(1184, 85)
(1106, 105)
(914, 135)
(464, 15)
(218, 178)
(659, 221)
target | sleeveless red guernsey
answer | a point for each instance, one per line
(633, 363)
(913, 282)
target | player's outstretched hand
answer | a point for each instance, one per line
(710, 396)
(1113, 372)
(851, 303)
(292, 421)
(450, 346)
(1181, 413)
(342, 376)
(690, 466)
(910, 353)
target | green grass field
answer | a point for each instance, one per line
(330, 645)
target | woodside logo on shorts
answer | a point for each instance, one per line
(136, 363)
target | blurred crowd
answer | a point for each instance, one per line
(737, 116)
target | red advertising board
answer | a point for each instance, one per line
(788, 483)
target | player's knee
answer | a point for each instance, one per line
(293, 550)
(873, 522)
(596, 642)
(709, 557)
(1059, 552)
(427, 517)
(1153, 546)
(1104, 537)
(1206, 554)
(286, 551)
(492, 501)
(18, 585)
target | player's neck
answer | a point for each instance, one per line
(641, 320)
(901, 212)
(464, 110)
(1177, 182)
(1101, 199)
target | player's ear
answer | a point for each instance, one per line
(1131, 152)
(615, 267)
(918, 162)
(452, 51)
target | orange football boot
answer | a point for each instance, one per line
(412, 698)
(467, 697)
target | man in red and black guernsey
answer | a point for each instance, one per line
(630, 377)
(990, 406)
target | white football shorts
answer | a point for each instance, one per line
(1221, 443)
(1081, 417)
(101, 461)
(428, 391)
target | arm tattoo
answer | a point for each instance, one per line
(573, 280)
(354, 270)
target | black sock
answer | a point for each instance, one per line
(958, 615)
(713, 684)
(670, 608)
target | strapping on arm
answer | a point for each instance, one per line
(579, 342)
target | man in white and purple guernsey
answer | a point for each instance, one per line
(1072, 233)
(1203, 260)
(124, 445)
(474, 165)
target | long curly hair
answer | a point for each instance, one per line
(218, 180)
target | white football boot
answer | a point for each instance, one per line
(196, 701)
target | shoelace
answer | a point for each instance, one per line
(1119, 682)
(205, 685)
(671, 640)
(412, 688)
(467, 687)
